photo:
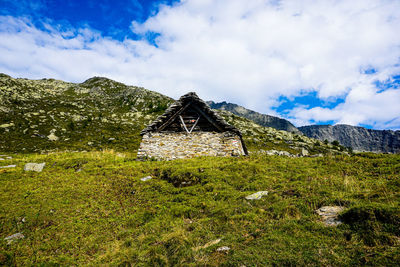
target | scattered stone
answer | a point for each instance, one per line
(2, 159)
(274, 152)
(14, 237)
(52, 137)
(8, 166)
(317, 155)
(111, 139)
(6, 125)
(144, 179)
(257, 195)
(37, 167)
(329, 214)
(8, 157)
(224, 248)
(209, 244)
(304, 152)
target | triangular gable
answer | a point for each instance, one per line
(189, 103)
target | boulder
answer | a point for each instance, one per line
(8, 166)
(144, 179)
(330, 214)
(224, 248)
(257, 195)
(304, 152)
(37, 167)
(52, 137)
(14, 237)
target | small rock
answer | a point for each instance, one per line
(37, 167)
(52, 137)
(329, 214)
(144, 179)
(2, 159)
(223, 248)
(14, 237)
(111, 139)
(257, 195)
(8, 166)
(317, 155)
(304, 152)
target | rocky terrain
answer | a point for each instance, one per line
(261, 119)
(48, 115)
(358, 138)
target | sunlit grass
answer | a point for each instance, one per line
(92, 208)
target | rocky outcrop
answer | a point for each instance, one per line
(358, 138)
(261, 119)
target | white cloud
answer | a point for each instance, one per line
(247, 52)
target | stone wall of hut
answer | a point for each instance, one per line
(169, 146)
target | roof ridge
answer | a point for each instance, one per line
(178, 104)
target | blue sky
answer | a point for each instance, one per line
(111, 18)
(332, 61)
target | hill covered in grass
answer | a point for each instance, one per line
(51, 115)
(92, 208)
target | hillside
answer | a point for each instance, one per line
(261, 119)
(37, 115)
(51, 115)
(359, 138)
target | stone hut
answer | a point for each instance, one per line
(190, 128)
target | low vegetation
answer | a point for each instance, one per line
(92, 208)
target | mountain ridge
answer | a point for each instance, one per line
(357, 137)
(259, 118)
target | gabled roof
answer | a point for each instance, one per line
(180, 105)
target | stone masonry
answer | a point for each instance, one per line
(169, 146)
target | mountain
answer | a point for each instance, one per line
(261, 119)
(358, 138)
(48, 114)
(98, 114)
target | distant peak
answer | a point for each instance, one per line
(3, 75)
(96, 79)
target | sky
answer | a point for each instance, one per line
(309, 61)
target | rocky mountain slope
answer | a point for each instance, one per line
(47, 115)
(261, 119)
(359, 138)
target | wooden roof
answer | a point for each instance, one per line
(189, 100)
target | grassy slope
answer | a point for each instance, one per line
(104, 214)
(84, 116)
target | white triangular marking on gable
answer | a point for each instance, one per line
(184, 125)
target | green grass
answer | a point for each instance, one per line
(92, 208)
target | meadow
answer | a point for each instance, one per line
(92, 208)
